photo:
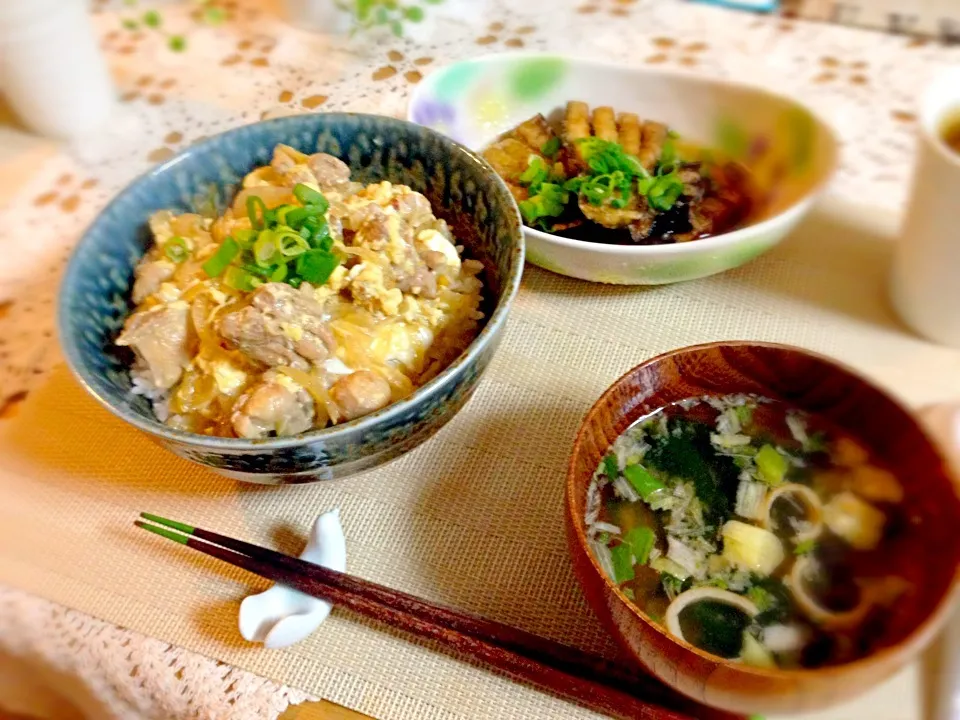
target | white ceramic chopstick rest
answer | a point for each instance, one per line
(281, 616)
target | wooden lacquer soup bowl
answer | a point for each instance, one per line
(926, 552)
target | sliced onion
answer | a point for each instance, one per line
(672, 617)
(805, 496)
(813, 608)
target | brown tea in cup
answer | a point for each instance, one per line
(950, 131)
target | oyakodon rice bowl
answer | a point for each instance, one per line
(311, 300)
(319, 317)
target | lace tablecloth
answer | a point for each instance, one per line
(254, 65)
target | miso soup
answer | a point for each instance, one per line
(750, 530)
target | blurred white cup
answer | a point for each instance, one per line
(925, 283)
(51, 68)
(318, 16)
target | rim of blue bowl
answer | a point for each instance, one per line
(511, 285)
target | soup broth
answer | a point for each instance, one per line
(749, 530)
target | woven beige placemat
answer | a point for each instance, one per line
(472, 518)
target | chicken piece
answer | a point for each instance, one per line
(280, 326)
(604, 124)
(509, 157)
(376, 287)
(276, 406)
(576, 122)
(420, 280)
(331, 173)
(534, 133)
(415, 211)
(149, 275)
(360, 393)
(652, 138)
(292, 165)
(159, 338)
(630, 133)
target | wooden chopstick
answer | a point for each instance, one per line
(566, 658)
(588, 679)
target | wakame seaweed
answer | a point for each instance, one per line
(685, 452)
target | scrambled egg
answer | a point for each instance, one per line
(229, 379)
(433, 240)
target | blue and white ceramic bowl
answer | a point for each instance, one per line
(464, 191)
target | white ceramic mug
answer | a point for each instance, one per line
(925, 284)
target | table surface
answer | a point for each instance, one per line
(823, 289)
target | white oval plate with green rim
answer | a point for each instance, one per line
(790, 151)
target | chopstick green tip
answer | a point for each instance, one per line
(163, 532)
(182, 527)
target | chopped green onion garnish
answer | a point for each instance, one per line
(668, 158)
(622, 556)
(257, 270)
(240, 279)
(805, 547)
(551, 147)
(641, 540)
(320, 238)
(550, 202)
(643, 482)
(265, 249)
(536, 172)
(610, 466)
(176, 249)
(771, 465)
(308, 196)
(291, 245)
(315, 266)
(225, 254)
(257, 212)
(280, 274)
(245, 237)
(297, 217)
(294, 282)
(282, 211)
(664, 191)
